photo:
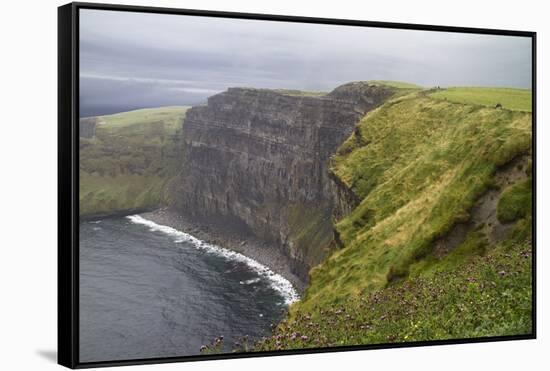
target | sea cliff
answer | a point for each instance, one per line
(256, 161)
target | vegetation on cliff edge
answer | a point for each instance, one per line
(419, 163)
(490, 295)
(396, 84)
(129, 162)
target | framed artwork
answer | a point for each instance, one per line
(237, 185)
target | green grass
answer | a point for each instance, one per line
(168, 115)
(418, 164)
(474, 245)
(515, 201)
(130, 161)
(395, 84)
(512, 99)
(488, 295)
(310, 230)
(105, 195)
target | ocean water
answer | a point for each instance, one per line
(149, 291)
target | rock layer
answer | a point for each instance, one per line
(256, 161)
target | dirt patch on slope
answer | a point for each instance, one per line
(484, 213)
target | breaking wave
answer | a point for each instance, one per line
(277, 282)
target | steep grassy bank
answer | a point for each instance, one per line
(420, 165)
(128, 163)
(489, 295)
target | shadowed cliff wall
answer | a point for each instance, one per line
(255, 161)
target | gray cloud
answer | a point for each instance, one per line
(134, 60)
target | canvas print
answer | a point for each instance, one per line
(253, 185)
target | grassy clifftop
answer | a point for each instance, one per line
(128, 163)
(512, 99)
(396, 84)
(419, 164)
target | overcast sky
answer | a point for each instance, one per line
(136, 60)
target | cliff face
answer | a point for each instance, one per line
(127, 159)
(255, 161)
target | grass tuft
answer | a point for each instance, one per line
(515, 201)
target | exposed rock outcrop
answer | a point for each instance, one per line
(255, 161)
(483, 215)
(343, 198)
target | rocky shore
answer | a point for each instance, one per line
(267, 255)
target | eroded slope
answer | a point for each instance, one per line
(416, 171)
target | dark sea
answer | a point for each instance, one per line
(148, 291)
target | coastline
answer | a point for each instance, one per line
(264, 254)
(115, 214)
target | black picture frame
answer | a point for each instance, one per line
(68, 179)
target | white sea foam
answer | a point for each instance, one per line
(277, 282)
(249, 282)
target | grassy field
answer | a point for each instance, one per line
(419, 163)
(170, 115)
(131, 159)
(396, 84)
(512, 99)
